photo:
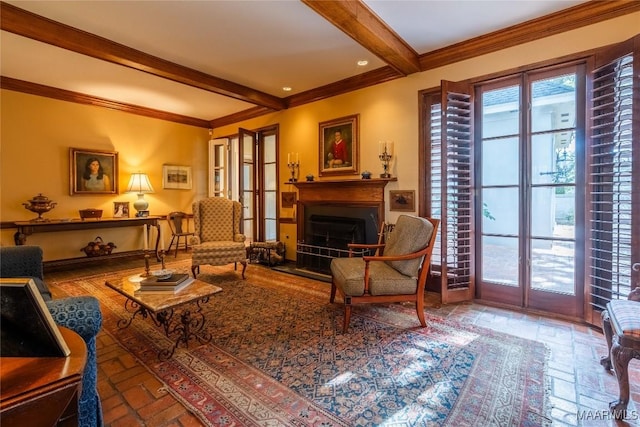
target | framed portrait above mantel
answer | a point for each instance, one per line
(338, 146)
(93, 171)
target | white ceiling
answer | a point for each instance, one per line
(261, 44)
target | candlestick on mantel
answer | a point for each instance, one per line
(386, 153)
(294, 166)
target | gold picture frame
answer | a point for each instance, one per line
(93, 171)
(402, 200)
(176, 177)
(338, 146)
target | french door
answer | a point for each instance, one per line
(530, 205)
(244, 168)
(554, 221)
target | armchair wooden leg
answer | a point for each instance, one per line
(620, 357)
(244, 267)
(333, 292)
(605, 361)
(347, 315)
(420, 310)
(195, 268)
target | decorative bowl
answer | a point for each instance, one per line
(162, 274)
(39, 204)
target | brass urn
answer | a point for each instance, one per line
(39, 204)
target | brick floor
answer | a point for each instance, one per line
(580, 387)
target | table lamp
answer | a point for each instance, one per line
(139, 184)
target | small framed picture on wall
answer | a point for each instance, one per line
(402, 200)
(176, 177)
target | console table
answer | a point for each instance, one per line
(43, 391)
(27, 228)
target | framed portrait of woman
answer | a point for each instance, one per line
(339, 146)
(93, 172)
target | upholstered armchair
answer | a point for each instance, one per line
(80, 314)
(399, 274)
(217, 239)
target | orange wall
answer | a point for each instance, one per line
(36, 136)
(37, 133)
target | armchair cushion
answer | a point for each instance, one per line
(625, 316)
(410, 234)
(383, 279)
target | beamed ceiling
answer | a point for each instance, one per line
(212, 63)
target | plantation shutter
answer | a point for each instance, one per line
(613, 167)
(456, 195)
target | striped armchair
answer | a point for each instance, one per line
(217, 239)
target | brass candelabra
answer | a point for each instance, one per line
(294, 166)
(385, 156)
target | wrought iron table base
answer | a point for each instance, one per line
(190, 326)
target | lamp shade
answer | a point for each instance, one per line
(139, 184)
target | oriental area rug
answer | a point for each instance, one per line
(278, 357)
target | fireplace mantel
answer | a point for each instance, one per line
(339, 200)
(346, 190)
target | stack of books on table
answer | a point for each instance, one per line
(171, 285)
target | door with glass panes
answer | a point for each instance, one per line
(244, 168)
(530, 154)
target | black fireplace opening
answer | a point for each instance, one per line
(328, 230)
(334, 231)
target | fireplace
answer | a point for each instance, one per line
(333, 214)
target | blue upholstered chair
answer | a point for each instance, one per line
(80, 314)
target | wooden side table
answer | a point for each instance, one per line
(41, 391)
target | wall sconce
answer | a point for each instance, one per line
(386, 153)
(294, 166)
(139, 184)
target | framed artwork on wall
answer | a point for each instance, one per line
(176, 177)
(288, 199)
(339, 146)
(121, 209)
(402, 200)
(93, 171)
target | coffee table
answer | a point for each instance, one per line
(179, 314)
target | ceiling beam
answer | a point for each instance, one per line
(22, 86)
(36, 27)
(578, 16)
(355, 19)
